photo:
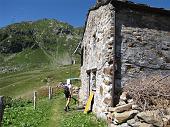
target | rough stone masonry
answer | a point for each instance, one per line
(122, 41)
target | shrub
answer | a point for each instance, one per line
(22, 114)
(151, 92)
(7, 101)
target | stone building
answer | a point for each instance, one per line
(122, 41)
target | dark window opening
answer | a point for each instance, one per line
(92, 79)
(88, 78)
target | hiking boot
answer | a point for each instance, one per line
(66, 109)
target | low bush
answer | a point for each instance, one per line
(150, 92)
(21, 114)
(7, 101)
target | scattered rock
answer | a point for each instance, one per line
(151, 117)
(75, 90)
(108, 70)
(122, 108)
(131, 122)
(111, 109)
(135, 107)
(112, 125)
(123, 125)
(123, 96)
(107, 80)
(108, 100)
(123, 117)
(130, 101)
(134, 123)
(101, 115)
(166, 120)
(109, 117)
(145, 125)
(121, 102)
(168, 111)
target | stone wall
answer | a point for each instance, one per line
(97, 50)
(128, 114)
(142, 47)
(143, 44)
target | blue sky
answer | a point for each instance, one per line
(71, 11)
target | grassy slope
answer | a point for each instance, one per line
(48, 113)
(73, 118)
(29, 56)
(18, 83)
(36, 65)
(46, 44)
(22, 114)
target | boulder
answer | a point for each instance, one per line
(135, 107)
(112, 125)
(109, 117)
(123, 96)
(107, 80)
(168, 111)
(108, 70)
(151, 117)
(111, 109)
(134, 123)
(130, 100)
(101, 115)
(123, 125)
(121, 108)
(131, 122)
(108, 100)
(166, 120)
(145, 125)
(76, 88)
(123, 117)
(121, 102)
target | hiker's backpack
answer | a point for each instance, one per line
(66, 89)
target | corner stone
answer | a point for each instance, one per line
(122, 108)
(123, 117)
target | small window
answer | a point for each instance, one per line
(88, 78)
(93, 80)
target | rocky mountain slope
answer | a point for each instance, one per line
(45, 41)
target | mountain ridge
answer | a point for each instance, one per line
(47, 40)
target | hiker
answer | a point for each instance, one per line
(68, 95)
